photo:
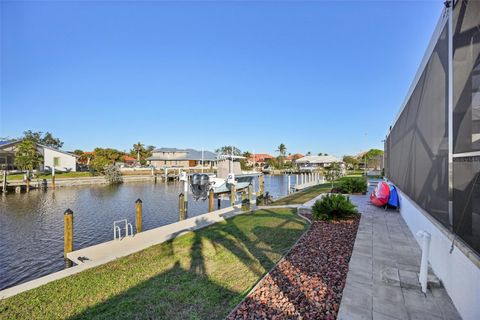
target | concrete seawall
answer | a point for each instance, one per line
(72, 182)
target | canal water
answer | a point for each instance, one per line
(31, 225)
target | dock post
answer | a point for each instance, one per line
(181, 206)
(138, 215)
(67, 232)
(245, 201)
(4, 181)
(261, 186)
(211, 200)
(288, 184)
(27, 180)
(185, 190)
(53, 177)
(233, 195)
(166, 174)
(250, 193)
(219, 203)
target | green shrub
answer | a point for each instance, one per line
(353, 185)
(333, 206)
(113, 175)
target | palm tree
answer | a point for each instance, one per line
(247, 155)
(138, 147)
(282, 149)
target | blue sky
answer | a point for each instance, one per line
(316, 76)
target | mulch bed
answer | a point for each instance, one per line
(308, 283)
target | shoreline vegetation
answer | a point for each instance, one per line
(199, 275)
(140, 172)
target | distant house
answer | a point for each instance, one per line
(309, 163)
(294, 157)
(259, 159)
(63, 161)
(181, 158)
(129, 160)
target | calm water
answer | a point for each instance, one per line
(31, 225)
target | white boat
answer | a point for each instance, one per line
(228, 173)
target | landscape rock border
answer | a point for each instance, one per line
(308, 282)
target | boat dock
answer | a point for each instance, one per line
(111, 250)
(305, 180)
(102, 253)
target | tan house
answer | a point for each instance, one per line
(181, 158)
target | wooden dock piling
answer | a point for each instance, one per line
(185, 192)
(261, 187)
(245, 201)
(67, 232)
(138, 215)
(181, 206)
(53, 177)
(27, 182)
(233, 195)
(4, 181)
(211, 200)
(288, 184)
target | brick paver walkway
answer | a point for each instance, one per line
(382, 281)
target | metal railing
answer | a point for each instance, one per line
(118, 230)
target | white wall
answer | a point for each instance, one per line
(67, 162)
(460, 276)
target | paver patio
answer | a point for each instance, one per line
(382, 280)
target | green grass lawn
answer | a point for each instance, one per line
(200, 275)
(304, 195)
(307, 194)
(58, 175)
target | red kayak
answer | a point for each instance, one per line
(381, 194)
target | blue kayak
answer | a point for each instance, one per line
(393, 199)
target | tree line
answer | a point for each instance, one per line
(28, 157)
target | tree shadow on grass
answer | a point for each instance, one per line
(189, 292)
(177, 293)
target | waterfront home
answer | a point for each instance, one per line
(129, 160)
(432, 154)
(62, 160)
(181, 158)
(259, 159)
(294, 157)
(309, 163)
